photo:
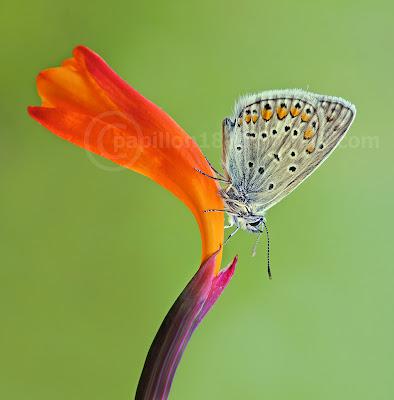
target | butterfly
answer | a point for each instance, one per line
(273, 141)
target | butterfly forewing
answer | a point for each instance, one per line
(276, 139)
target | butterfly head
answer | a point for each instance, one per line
(250, 223)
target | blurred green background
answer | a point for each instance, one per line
(93, 256)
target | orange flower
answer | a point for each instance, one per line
(85, 102)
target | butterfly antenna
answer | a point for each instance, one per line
(268, 250)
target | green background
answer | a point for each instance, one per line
(93, 256)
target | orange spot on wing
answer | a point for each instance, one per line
(305, 117)
(255, 118)
(266, 114)
(247, 118)
(308, 134)
(310, 148)
(294, 111)
(281, 112)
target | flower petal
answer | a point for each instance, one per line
(85, 102)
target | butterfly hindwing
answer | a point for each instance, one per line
(276, 139)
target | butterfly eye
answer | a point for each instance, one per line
(255, 223)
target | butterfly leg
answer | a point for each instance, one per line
(212, 177)
(231, 235)
(213, 168)
(255, 244)
(231, 222)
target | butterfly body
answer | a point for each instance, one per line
(242, 212)
(272, 143)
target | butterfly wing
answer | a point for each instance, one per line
(276, 139)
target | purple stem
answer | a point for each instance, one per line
(177, 328)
